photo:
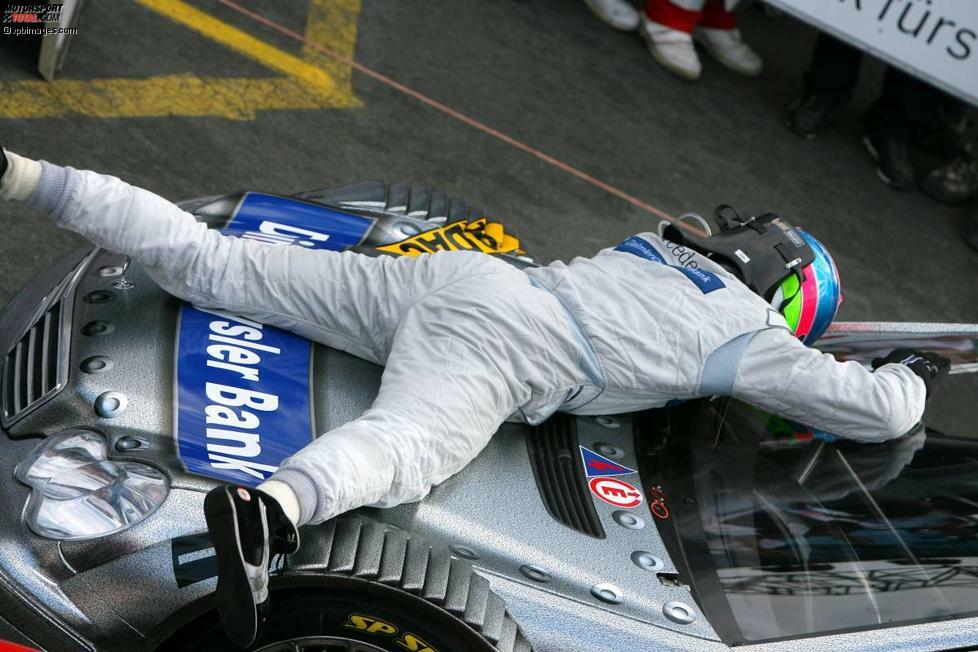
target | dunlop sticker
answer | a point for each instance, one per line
(477, 235)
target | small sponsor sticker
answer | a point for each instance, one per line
(615, 492)
(476, 235)
(658, 502)
(598, 465)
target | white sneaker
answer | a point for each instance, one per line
(617, 13)
(727, 47)
(672, 48)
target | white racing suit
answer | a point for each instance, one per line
(468, 341)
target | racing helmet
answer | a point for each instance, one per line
(782, 263)
(809, 305)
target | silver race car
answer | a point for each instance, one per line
(700, 527)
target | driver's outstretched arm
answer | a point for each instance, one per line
(782, 375)
(348, 301)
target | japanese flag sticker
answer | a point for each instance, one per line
(615, 492)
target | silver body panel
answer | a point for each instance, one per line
(116, 593)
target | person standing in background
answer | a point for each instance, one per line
(908, 112)
(670, 26)
(619, 14)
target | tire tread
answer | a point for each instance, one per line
(374, 551)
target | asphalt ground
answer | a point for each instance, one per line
(545, 72)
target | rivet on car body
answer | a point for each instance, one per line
(678, 612)
(628, 520)
(98, 296)
(108, 271)
(96, 364)
(608, 422)
(94, 328)
(408, 229)
(127, 443)
(110, 404)
(607, 593)
(122, 284)
(647, 561)
(535, 573)
(464, 552)
(606, 449)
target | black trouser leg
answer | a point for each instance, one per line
(834, 69)
(905, 105)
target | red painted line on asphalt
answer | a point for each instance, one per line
(458, 115)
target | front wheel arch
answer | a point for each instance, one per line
(351, 553)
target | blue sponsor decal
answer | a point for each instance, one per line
(285, 221)
(641, 248)
(706, 281)
(243, 400)
(598, 465)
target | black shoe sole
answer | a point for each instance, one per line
(235, 601)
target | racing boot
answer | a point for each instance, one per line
(247, 527)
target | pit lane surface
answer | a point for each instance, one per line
(545, 72)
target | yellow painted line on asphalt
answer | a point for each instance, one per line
(325, 16)
(184, 95)
(308, 83)
(242, 42)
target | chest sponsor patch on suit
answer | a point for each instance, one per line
(641, 248)
(706, 281)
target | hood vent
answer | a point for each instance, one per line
(556, 462)
(30, 370)
(36, 366)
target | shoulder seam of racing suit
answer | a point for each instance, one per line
(720, 369)
(590, 364)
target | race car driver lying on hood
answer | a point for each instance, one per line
(469, 341)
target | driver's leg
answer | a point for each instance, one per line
(462, 361)
(348, 301)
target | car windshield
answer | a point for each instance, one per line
(784, 534)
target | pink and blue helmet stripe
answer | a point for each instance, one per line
(821, 292)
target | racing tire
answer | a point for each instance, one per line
(359, 586)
